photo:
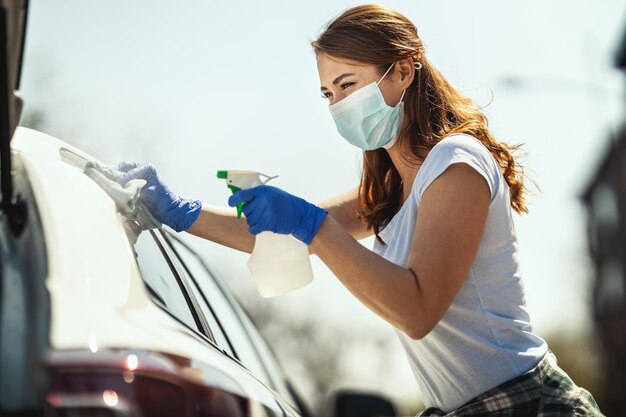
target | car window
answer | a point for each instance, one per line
(160, 279)
(228, 318)
(214, 325)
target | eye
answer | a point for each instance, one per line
(327, 94)
(345, 86)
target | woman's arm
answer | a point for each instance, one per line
(344, 208)
(214, 223)
(448, 230)
(222, 226)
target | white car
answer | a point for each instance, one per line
(135, 324)
(98, 319)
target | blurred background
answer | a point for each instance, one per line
(197, 86)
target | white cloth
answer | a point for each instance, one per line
(485, 338)
(126, 197)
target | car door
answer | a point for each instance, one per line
(241, 336)
(171, 288)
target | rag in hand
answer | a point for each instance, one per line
(126, 197)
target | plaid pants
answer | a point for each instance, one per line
(546, 390)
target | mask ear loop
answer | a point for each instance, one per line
(418, 66)
(385, 74)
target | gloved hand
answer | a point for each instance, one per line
(165, 206)
(271, 209)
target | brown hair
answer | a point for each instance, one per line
(433, 108)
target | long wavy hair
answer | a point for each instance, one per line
(433, 108)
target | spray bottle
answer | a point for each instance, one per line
(279, 263)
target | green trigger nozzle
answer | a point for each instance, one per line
(240, 205)
(237, 180)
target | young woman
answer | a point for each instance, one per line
(438, 192)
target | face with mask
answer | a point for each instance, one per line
(366, 105)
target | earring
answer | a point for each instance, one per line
(418, 65)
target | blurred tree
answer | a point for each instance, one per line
(303, 346)
(315, 353)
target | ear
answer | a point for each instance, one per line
(406, 69)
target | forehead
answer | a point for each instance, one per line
(330, 67)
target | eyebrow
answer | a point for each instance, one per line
(338, 79)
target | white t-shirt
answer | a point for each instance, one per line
(485, 338)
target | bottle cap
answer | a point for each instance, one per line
(222, 175)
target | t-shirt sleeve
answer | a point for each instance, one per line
(460, 148)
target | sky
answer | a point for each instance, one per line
(197, 86)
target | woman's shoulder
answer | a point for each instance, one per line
(462, 146)
(463, 141)
(459, 148)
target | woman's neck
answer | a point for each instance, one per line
(406, 169)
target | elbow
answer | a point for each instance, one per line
(417, 331)
(418, 320)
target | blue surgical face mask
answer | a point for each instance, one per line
(365, 120)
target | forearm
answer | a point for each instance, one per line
(345, 210)
(387, 289)
(222, 226)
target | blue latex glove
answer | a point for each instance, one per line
(165, 206)
(271, 209)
